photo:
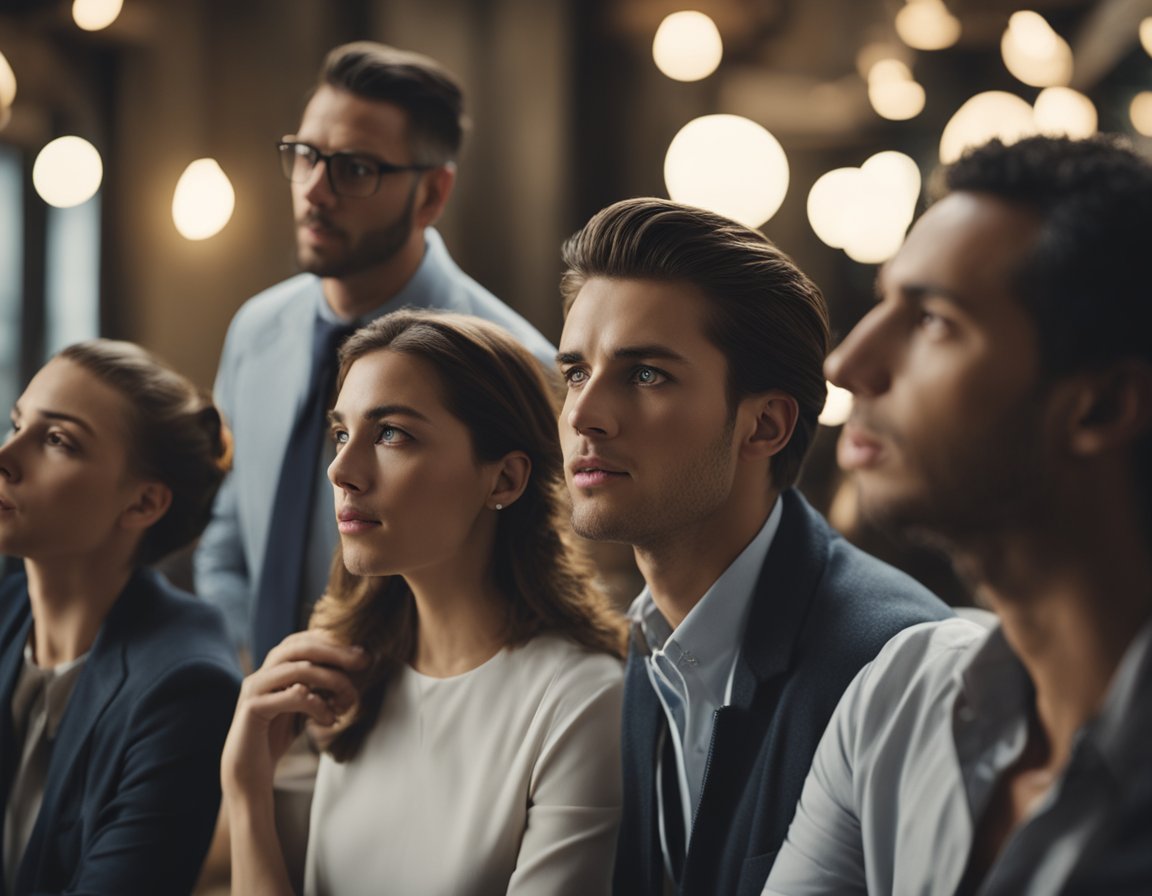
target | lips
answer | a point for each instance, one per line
(858, 448)
(591, 471)
(351, 521)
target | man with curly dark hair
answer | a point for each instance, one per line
(1003, 408)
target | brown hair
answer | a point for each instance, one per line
(498, 390)
(764, 314)
(424, 89)
(175, 435)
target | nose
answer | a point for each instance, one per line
(317, 189)
(347, 472)
(862, 362)
(589, 411)
(9, 469)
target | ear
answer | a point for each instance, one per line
(434, 193)
(765, 423)
(1111, 409)
(512, 472)
(151, 503)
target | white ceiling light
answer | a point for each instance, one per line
(94, 15)
(7, 83)
(927, 25)
(687, 46)
(203, 201)
(729, 165)
(67, 172)
(1062, 111)
(1034, 53)
(994, 113)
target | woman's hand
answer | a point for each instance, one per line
(305, 678)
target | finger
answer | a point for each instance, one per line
(333, 684)
(296, 700)
(318, 647)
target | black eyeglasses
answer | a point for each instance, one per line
(348, 174)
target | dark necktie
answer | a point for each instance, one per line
(673, 809)
(278, 591)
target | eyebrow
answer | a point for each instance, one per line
(383, 410)
(917, 291)
(58, 415)
(629, 353)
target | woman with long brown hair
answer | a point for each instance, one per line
(463, 662)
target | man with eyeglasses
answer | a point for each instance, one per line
(371, 168)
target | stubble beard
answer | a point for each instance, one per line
(374, 248)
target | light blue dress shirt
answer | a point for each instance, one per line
(690, 668)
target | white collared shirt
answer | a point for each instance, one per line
(691, 667)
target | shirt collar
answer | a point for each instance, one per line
(1123, 730)
(711, 632)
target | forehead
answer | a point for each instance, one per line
(387, 377)
(337, 119)
(969, 245)
(65, 387)
(609, 313)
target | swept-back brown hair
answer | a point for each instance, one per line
(764, 314)
(498, 390)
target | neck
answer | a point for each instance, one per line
(679, 569)
(69, 605)
(366, 290)
(1070, 604)
(461, 617)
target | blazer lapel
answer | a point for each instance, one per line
(784, 592)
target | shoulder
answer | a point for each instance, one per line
(165, 631)
(288, 296)
(567, 678)
(916, 668)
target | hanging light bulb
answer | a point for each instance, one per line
(729, 165)
(1062, 111)
(993, 113)
(1034, 53)
(837, 407)
(927, 25)
(95, 15)
(67, 172)
(7, 83)
(203, 201)
(687, 46)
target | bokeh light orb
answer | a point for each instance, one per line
(95, 15)
(7, 83)
(994, 113)
(927, 25)
(837, 407)
(1140, 111)
(687, 46)
(729, 165)
(1034, 53)
(1062, 111)
(67, 172)
(203, 201)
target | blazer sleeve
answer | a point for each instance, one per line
(570, 838)
(219, 567)
(152, 834)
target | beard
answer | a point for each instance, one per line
(376, 247)
(961, 497)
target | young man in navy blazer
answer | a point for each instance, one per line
(693, 352)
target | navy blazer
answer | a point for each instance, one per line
(821, 610)
(133, 785)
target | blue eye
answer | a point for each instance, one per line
(574, 376)
(392, 435)
(648, 376)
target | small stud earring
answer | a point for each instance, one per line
(499, 506)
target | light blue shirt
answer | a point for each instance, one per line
(691, 667)
(912, 754)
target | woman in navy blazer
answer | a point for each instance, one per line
(116, 689)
